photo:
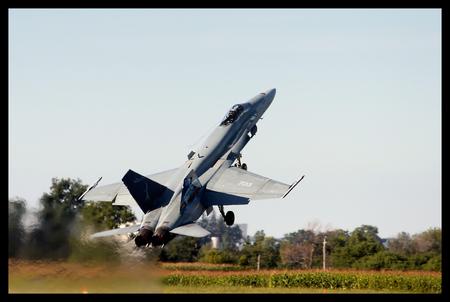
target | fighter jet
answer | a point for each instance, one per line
(211, 176)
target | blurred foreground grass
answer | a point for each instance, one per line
(63, 277)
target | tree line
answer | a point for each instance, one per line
(63, 224)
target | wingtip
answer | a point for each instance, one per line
(292, 186)
(89, 188)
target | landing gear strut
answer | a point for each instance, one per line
(239, 164)
(229, 217)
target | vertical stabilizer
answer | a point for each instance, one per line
(144, 190)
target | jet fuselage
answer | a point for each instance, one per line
(220, 149)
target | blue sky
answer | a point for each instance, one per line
(358, 106)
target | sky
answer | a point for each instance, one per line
(357, 111)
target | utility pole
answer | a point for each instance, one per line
(324, 252)
(311, 256)
(259, 260)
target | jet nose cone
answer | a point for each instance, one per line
(263, 100)
(270, 94)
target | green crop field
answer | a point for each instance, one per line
(63, 277)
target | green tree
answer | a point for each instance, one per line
(433, 264)
(230, 237)
(181, 249)
(211, 255)
(105, 215)
(188, 248)
(382, 260)
(336, 257)
(301, 236)
(50, 238)
(62, 218)
(96, 217)
(16, 230)
(267, 247)
(363, 241)
(419, 260)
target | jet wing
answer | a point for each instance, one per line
(237, 186)
(118, 192)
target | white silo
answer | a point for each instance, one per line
(215, 242)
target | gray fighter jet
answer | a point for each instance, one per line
(212, 176)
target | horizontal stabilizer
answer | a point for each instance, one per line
(120, 231)
(193, 230)
(119, 194)
(90, 188)
(102, 193)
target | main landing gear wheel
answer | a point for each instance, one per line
(229, 217)
(243, 166)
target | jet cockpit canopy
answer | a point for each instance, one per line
(232, 115)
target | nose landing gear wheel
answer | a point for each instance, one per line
(253, 131)
(229, 218)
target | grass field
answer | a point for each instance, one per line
(267, 290)
(135, 277)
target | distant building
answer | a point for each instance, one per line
(243, 227)
(215, 241)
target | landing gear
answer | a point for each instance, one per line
(253, 131)
(243, 166)
(229, 217)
